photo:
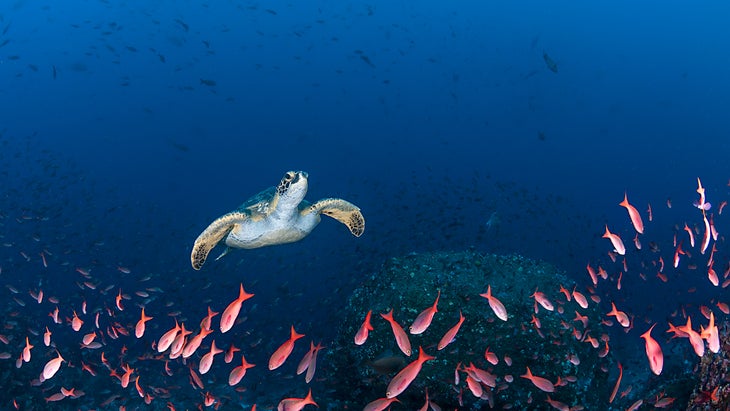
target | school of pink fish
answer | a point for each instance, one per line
(72, 327)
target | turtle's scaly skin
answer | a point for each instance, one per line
(277, 215)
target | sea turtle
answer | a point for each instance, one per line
(277, 215)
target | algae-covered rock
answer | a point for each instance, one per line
(560, 350)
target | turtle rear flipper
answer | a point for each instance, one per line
(212, 235)
(342, 211)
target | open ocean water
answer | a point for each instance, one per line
(486, 144)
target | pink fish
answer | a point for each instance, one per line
(495, 304)
(401, 338)
(653, 352)
(282, 353)
(26, 350)
(238, 372)
(362, 333)
(421, 323)
(618, 245)
(542, 383)
(451, 334)
(51, 367)
(207, 361)
(380, 404)
(231, 312)
(140, 327)
(194, 343)
(694, 337)
(405, 377)
(167, 338)
(621, 316)
(296, 404)
(711, 335)
(634, 215)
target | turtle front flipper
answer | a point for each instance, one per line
(212, 235)
(342, 211)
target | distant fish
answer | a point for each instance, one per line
(209, 83)
(179, 146)
(182, 24)
(367, 61)
(492, 222)
(550, 63)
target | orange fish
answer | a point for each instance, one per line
(711, 335)
(230, 352)
(119, 300)
(282, 353)
(401, 338)
(380, 404)
(192, 345)
(421, 323)
(618, 245)
(495, 304)
(706, 234)
(543, 300)
(618, 382)
(580, 298)
(139, 328)
(362, 333)
(296, 404)
(26, 350)
(634, 215)
(76, 322)
(405, 377)
(179, 341)
(621, 316)
(231, 312)
(451, 334)
(207, 361)
(491, 357)
(47, 337)
(542, 383)
(205, 322)
(127, 375)
(723, 307)
(592, 273)
(167, 338)
(237, 373)
(694, 337)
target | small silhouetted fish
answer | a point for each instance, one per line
(179, 146)
(550, 62)
(54, 72)
(367, 61)
(182, 24)
(15, 57)
(4, 42)
(132, 49)
(33, 67)
(271, 12)
(161, 57)
(209, 83)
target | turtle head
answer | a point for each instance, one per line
(293, 187)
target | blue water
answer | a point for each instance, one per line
(127, 127)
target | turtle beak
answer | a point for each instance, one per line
(303, 174)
